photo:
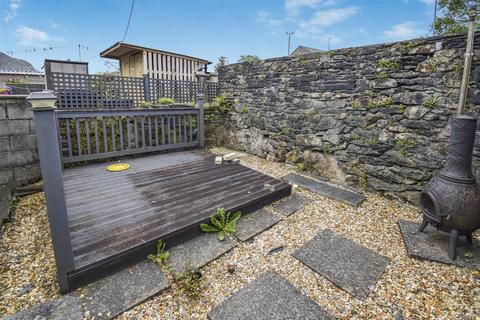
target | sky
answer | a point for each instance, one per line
(203, 28)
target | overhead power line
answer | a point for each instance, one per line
(128, 23)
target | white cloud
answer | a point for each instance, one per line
(30, 36)
(267, 18)
(12, 9)
(326, 18)
(293, 6)
(403, 31)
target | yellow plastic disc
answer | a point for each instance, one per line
(118, 167)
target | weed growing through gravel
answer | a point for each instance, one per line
(301, 166)
(190, 284)
(224, 223)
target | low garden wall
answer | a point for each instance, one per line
(19, 164)
(374, 116)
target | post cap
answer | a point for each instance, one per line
(42, 99)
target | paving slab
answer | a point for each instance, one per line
(432, 245)
(291, 204)
(198, 252)
(269, 297)
(254, 223)
(347, 264)
(105, 298)
(123, 290)
(66, 307)
(324, 189)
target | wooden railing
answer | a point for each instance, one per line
(88, 135)
(87, 91)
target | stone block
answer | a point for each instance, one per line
(17, 158)
(19, 111)
(4, 144)
(3, 114)
(291, 204)
(6, 176)
(14, 127)
(23, 142)
(27, 173)
(31, 124)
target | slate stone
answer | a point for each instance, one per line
(123, 290)
(268, 297)
(292, 204)
(254, 223)
(66, 307)
(347, 264)
(198, 252)
(432, 245)
(325, 189)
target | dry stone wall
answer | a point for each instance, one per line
(376, 116)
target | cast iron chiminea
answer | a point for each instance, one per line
(451, 200)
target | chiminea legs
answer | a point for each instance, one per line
(423, 225)
(452, 244)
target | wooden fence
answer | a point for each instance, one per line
(87, 91)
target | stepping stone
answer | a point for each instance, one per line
(106, 298)
(66, 307)
(123, 290)
(347, 264)
(269, 297)
(324, 189)
(292, 204)
(254, 223)
(198, 252)
(432, 245)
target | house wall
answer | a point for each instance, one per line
(132, 66)
(375, 117)
(19, 164)
(172, 67)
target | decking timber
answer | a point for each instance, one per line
(115, 218)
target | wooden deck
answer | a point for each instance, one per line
(117, 217)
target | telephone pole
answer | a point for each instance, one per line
(289, 34)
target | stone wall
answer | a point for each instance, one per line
(19, 164)
(374, 116)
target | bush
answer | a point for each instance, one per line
(166, 100)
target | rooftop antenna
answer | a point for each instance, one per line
(79, 54)
(329, 43)
(435, 17)
(468, 59)
(289, 34)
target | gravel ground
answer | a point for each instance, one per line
(26, 258)
(408, 289)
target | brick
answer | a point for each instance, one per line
(3, 113)
(17, 158)
(23, 142)
(4, 144)
(27, 174)
(6, 176)
(14, 127)
(18, 112)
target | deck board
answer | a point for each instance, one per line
(110, 213)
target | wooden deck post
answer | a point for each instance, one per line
(146, 87)
(43, 106)
(201, 120)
